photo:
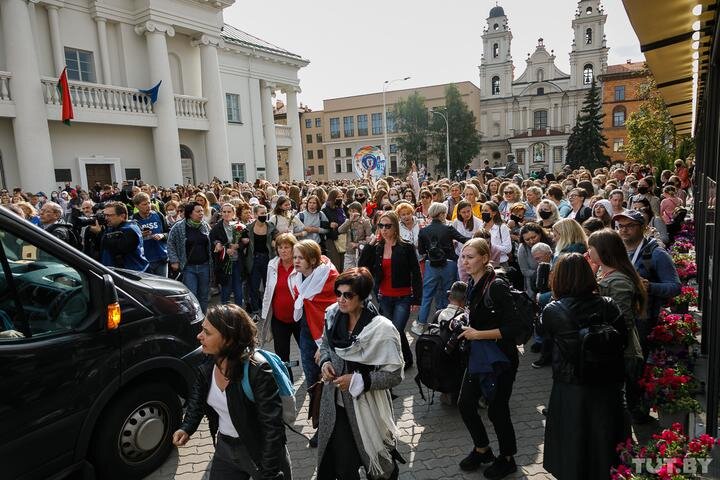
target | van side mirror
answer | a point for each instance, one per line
(110, 301)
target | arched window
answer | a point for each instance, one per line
(588, 36)
(496, 85)
(496, 50)
(540, 75)
(619, 113)
(587, 74)
(496, 27)
(588, 10)
(541, 91)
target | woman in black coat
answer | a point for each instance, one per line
(249, 436)
(580, 212)
(586, 416)
(229, 266)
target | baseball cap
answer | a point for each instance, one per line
(633, 215)
(458, 290)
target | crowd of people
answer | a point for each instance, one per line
(340, 266)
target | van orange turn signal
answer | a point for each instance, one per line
(113, 316)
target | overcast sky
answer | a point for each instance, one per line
(353, 47)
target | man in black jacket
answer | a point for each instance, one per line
(435, 242)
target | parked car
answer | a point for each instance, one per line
(91, 360)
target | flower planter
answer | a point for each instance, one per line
(666, 419)
(681, 308)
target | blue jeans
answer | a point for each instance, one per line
(233, 285)
(436, 283)
(397, 309)
(158, 267)
(308, 347)
(258, 275)
(197, 279)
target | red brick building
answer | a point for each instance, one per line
(620, 99)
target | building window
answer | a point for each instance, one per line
(391, 123)
(540, 119)
(619, 116)
(349, 126)
(541, 91)
(557, 154)
(338, 166)
(520, 156)
(348, 152)
(80, 65)
(393, 148)
(496, 155)
(321, 169)
(311, 170)
(540, 75)
(362, 125)
(308, 123)
(63, 175)
(587, 74)
(132, 174)
(309, 154)
(588, 36)
(588, 11)
(619, 93)
(618, 144)
(318, 137)
(376, 119)
(496, 50)
(238, 172)
(232, 100)
(348, 165)
(318, 123)
(495, 89)
(337, 152)
(320, 154)
(393, 165)
(335, 127)
(308, 138)
(538, 152)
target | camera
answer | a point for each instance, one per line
(89, 220)
(454, 341)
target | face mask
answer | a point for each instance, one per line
(515, 218)
(544, 214)
(282, 194)
(171, 213)
(360, 199)
(393, 198)
(486, 217)
(642, 190)
(262, 218)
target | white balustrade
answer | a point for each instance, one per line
(283, 131)
(96, 96)
(190, 107)
(5, 86)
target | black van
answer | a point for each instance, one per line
(91, 360)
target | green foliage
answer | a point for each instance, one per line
(586, 142)
(464, 137)
(411, 116)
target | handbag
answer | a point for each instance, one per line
(315, 392)
(341, 242)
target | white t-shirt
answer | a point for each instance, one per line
(217, 399)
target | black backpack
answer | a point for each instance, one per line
(525, 308)
(438, 370)
(436, 254)
(70, 236)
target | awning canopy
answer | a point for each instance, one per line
(672, 35)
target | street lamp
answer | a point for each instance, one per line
(387, 151)
(447, 139)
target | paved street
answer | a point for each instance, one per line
(433, 440)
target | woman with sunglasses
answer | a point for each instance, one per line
(422, 211)
(249, 435)
(394, 265)
(361, 361)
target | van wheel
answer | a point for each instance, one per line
(133, 436)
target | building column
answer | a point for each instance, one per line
(30, 125)
(166, 141)
(103, 45)
(297, 171)
(216, 142)
(56, 39)
(256, 125)
(272, 173)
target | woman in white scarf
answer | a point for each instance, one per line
(361, 361)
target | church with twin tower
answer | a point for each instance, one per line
(531, 116)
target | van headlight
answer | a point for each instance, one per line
(189, 304)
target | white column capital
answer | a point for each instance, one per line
(206, 40)
(291, 89)
(154, 27)
(99, 19)
(268, 86)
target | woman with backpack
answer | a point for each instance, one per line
(586, 414)
(361, 360)
(492, 363)
(249, 435)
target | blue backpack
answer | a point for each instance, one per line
(282, 377)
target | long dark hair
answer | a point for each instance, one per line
(573, 277)
(535, 228)
(240, 335)
(611, 250)
(470, 223)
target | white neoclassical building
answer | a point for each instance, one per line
(213, 116)
(531, 116)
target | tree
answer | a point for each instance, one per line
(585, 144)
(411, 117)
(464, 137)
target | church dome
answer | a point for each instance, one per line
(497, 11)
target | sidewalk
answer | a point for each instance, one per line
(433, 440)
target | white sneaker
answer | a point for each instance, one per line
(418, 328)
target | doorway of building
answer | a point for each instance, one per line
(187, 161)
(98, 172)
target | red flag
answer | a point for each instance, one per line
(64, 89)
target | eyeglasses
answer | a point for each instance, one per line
(626, 226)
(508, 192)
(345, 295)
(385, 225)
